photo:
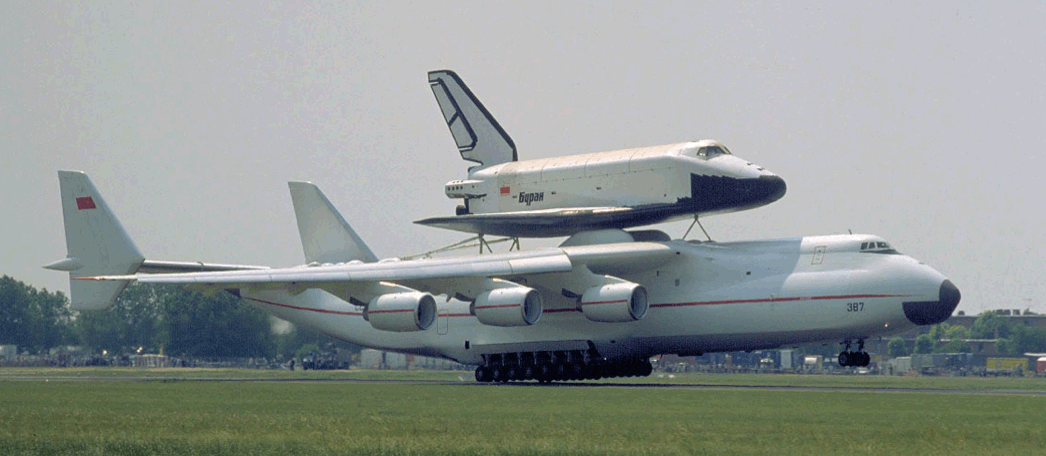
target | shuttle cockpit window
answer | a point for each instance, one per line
(878, 247)
(712, 151)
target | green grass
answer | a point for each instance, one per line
(753, 380)
(64, 416)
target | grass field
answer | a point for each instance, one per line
(51, 412)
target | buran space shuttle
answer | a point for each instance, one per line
(561, 196)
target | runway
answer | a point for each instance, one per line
(467, 381)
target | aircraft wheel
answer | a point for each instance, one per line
(497, 374)
(645, 369)
(513, 373)
(866, 359)
(543, 373)
(482, 374)
(844, 359)
(632, 370)
(528, 373)
(577, 371)
(559, 371)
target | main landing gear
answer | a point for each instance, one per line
(859, 358)
(546, 367)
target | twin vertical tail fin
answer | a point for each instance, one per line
(477, 134)
(325, 235)
(97, 244)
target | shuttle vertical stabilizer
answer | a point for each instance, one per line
(477, 134)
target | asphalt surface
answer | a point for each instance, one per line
(468, 382)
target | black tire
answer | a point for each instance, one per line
(543, 373)
(559, 371)
(482, 374)
(845, 359)
(577, 371)
(645, 369)
(528, 373)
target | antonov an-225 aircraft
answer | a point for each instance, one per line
(564, 195)
(599, 305)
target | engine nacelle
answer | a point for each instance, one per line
(615, 303)
(515, 306)
(401, 312)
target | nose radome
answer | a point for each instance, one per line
(934, 312)
(950, 296)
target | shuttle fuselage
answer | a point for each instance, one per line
(570, 194)
(631, 177)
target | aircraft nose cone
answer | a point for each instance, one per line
(933, 312)
(725, 193)
(950, 296)
(771, 187)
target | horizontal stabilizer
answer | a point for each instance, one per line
(97, 244)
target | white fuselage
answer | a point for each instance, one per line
(711, 297)
(622, 178)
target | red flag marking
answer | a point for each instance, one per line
(505, 190)
(85, 202)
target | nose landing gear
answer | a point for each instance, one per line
(859, 358)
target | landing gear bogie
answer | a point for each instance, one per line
(546, 367)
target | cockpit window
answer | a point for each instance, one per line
(711, 151)
(878, 247)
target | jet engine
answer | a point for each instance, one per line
(615, 302)
(513, 306)
(401, 312)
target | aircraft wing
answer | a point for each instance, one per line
(357, 282)
(557, 222)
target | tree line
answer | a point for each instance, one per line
(1012, 338)
(167, 319)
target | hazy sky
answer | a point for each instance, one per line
(922, 124)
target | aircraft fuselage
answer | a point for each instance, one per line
(708, 297)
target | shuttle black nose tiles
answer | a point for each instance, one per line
(723, 193)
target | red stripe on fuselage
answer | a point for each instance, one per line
(310, 309)
(756, 301)
(499, 306)
(603, 302)
(662, 305)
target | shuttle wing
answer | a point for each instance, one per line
(558, 222)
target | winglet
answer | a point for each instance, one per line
(477, 134)
(96, 242)
(325, 235)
